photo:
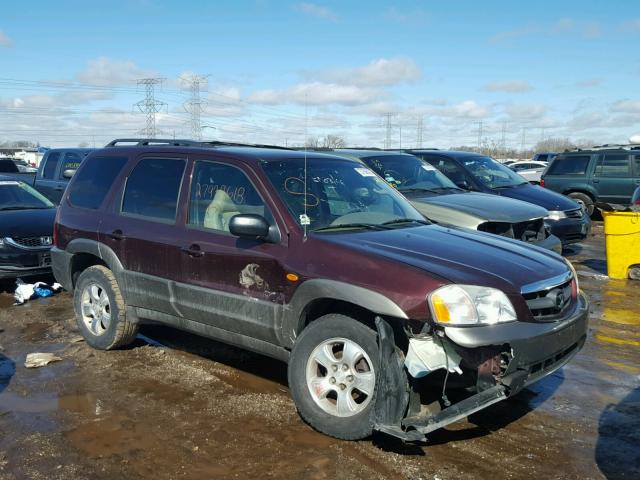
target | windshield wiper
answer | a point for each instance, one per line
(367, 226)
(406, 220)
(430, 190)
(11, 208)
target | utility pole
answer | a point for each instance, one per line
(400, 126)
(195, 105)
(479, 134)
(150, 106)
(419, 134)
(542, 129)
(524, 139)
(387, 139)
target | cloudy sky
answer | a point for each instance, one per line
(69, 70)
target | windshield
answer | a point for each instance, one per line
(491, 173)
(406, 173)
(20, 196)
(338, 192)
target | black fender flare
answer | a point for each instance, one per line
(320, 289)
(100, 250)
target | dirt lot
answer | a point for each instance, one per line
(176, 406)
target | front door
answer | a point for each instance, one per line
(46, 178)
(230, 283)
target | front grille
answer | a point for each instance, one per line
(529, 231)
(31, 242)
(573, 237)
(550, 304)
(577, 213)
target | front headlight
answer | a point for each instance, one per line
(575, 286)
(1, 241)
(556, 215)
(457, 305)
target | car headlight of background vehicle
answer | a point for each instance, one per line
(460, 305)
(556, 215)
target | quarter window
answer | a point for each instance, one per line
(636, 165)
(569, 165)
(50, 167)
(153, 187)
(93, 181)
(218, 193)
(613, 166)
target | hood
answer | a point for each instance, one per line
(538, 195)
(27, 223)
(459, 255)
(484, 206)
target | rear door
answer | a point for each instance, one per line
(453, 170)
(230, 283)
(613, 179)
(46, 178)
(144, 231)
(636, 170)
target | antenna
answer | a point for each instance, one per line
(150, 105)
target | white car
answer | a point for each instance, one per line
(529, 169)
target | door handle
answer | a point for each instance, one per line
(59, 189)
(638, 181)
(116, 235)
(595, 180)
(193, 250)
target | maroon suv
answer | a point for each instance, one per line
(315, 260)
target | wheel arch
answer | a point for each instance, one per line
(86, 253)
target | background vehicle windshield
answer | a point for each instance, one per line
(406, 172)
(20, 196)
(338, 192)
(491, 173)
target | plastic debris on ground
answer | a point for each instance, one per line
(35, 360)
(427, 354)
(29, 291)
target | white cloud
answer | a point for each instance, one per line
(509, 86)
(468, 109)
(526, 111)
(5, 41)
(632, 26)
(317, 93)
(106, 71)
(501, 37)
(626, 106)
(382, 72)
(317, 11)
(589, 83)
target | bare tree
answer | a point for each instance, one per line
(334, 141)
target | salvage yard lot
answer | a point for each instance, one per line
(179, 406)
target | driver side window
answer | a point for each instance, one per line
(218, 193)
(449, 167)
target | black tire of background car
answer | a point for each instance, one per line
(329, 326)
(121, 332)
(583, 199)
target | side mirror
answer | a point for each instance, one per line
(69, 172)
(249, 225)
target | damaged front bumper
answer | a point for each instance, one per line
(533, 351)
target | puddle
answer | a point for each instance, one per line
(41, 403)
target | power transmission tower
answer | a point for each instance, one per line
(150, 106)
(419, 134)
(195, 105)
(387, 139)
(524, 139)
(503, 139)
(479, 134)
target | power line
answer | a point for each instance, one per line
(150, 106)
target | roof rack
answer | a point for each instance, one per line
(609, 146)
(172, 142)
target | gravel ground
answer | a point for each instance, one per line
(178, 406)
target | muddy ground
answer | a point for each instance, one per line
(177, 406)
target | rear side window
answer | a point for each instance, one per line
(152, 189)
(71, 162)
(569, 165)
(613, 166)
(51, 165)
(449, 167)
(93, 181)
(636, 165)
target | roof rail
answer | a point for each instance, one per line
(149, 142)
(172, 142)
(608, 146)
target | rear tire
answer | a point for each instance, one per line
(101, 311)
(584, 200)
(335, 391)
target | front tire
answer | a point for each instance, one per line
(101, 311)
(334, 375)
(584, 200)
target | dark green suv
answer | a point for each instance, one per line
(609, 173)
